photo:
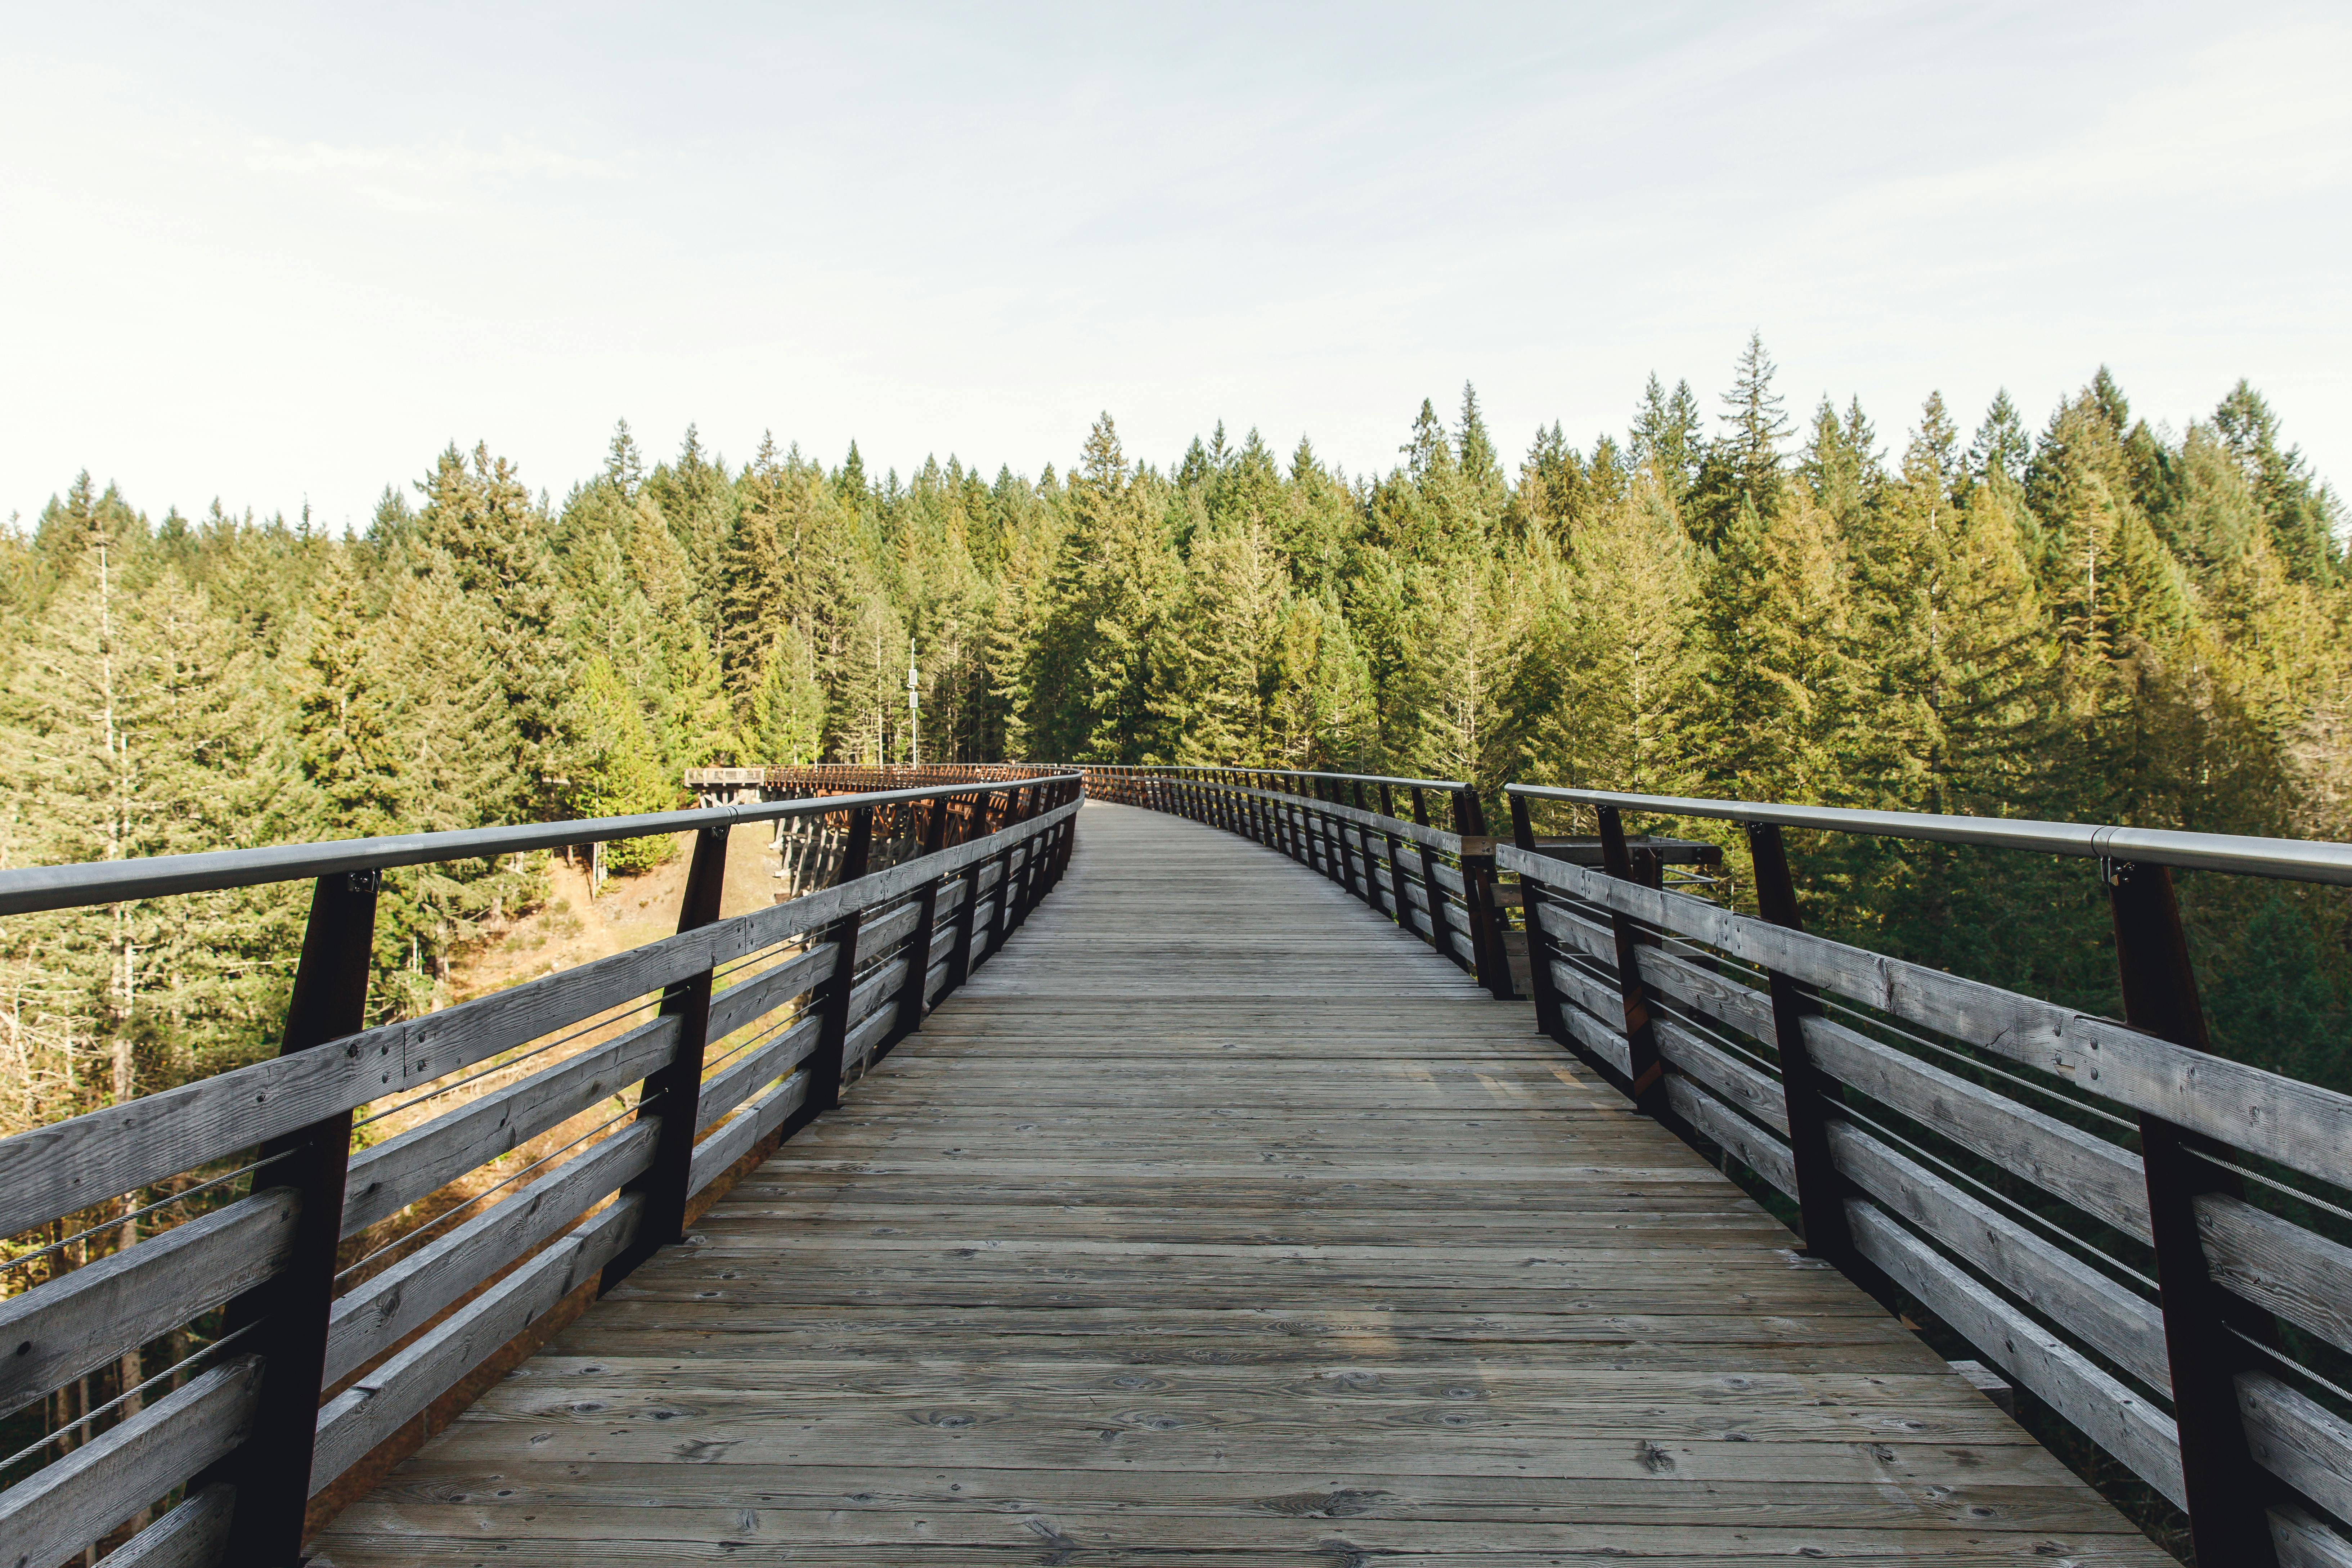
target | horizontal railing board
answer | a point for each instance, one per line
(2302, 1277)
(2100, 1178)
(862, 1040)
(2114, 1321)
(47, 1172)
(2283, 1119)
(63, 1326)
(399, 1171)
(1753, 1091)
(1727, 1002)
(935, 977)
(2110, 1414)
(2302, 1541)
(2298, 1440)
(377, 1406)
(2293, 859)
(728, 1088)
(895, 927)
(1742, 1139)
(33, 888)
(1436, 839)
(193, 1535)
(1597, 996)
(2278, 1265)
(880, 986)
(1598, 1037)
(380, 1312)
(57, 1510)
(770, 989)
(762, 1116)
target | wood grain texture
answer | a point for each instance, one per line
(193, 1535)
(56, 1511)
(1217, 1220)
(63, 1326)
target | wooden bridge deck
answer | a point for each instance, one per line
(1217, 1221)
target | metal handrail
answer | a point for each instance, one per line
(32, 889)
(1298, 773)
(2288, 859)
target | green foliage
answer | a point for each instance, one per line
(619, 771)
(2100, 621)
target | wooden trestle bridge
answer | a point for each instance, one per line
(1299, 1181)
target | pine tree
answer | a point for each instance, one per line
(788, 710)
(620, 773)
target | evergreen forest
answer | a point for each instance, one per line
(2099, 619)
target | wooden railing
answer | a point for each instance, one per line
(1436, 883)
(2134, 1229)
(668, 1066)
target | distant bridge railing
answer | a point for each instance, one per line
(1436, 882)
(732, 1034)
(2148, 1237)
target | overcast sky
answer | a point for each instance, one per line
(272, 255)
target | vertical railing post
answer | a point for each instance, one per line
(1477, 856)
(1375, 895)
(1346, 868)
(2225, 1491)
(1809, 1095)
(672, 1093)
(1539, 948)
(1019, 901)
(1398, 905)
(968, 911)
(271, 1469)
(1440, 929)
(911, 999)
(833, 1031)
(1647, 1075)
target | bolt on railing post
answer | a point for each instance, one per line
(825, 1065)
(671, 1094)
(919, 942)
(2225, 1491)
(1808, 1094)
(271, 1469)
(1478, 894)
(1646, 1073)
(1539, 948)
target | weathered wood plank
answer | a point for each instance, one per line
(378, 1403)
(393, 1174)
(377, 1313)
(2125, 1328)
(728, 1088)
(2302, 1541)
(2283, 1119)
(55, 1512)
(2116, 1419)
(2298, 1440)
(65, 1327)
(1213, 1178)
(193, 1535)
(2095, 1175)
(764, 993)
(2279, 1266)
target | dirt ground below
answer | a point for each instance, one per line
(572, 929)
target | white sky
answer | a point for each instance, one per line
(271, 255)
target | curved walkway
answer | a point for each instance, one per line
(1217, 1221)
